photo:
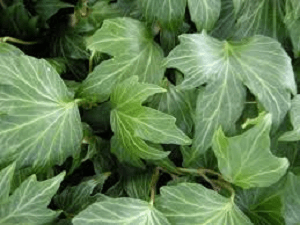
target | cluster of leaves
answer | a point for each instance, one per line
(149, 112)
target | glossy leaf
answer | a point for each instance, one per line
(259, 63)
(204, 13)
(246, 160)
(6, 176)
(134, 53)
(28, 203)
(39, 127)
(189, 203)
(291, 199)
(121, 211)
(132, 122)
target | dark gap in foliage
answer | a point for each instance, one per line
(162, 181)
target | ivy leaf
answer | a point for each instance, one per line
(47, 8)
(204, 13)
(132, 122)
(189, 203)
(75, 199)
(9, 50)
(259, 62)
(28, 203)
(168, 13)
(121, 211)
(134, 51)
(293, 135)
(264, 206)
(291, 199)
(6, 175)
(246, 160)
(41, 126)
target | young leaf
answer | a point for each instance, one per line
(258, 62)
(292, 200)
(246, 160)
(295, 119)
(134, 51)
(28, 204)
(121, 211)
(204, 13)
(41, 125)
(131, 122)
(189, 203)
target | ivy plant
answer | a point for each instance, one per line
(146, 112)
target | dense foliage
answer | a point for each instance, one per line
(149, 112)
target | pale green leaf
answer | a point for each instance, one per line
(6, 176)
(204, 13)
(293, 135)
(47, 8)
(131, 122)
(246, 160)
(125, 211)
(41, 124)
(263, 206)
(28, 203)
(292, 200)
(134, 53)
(9, 50)
(190, 203)
(168, 13)
(258, 62)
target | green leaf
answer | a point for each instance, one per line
(9, 50)
(204, 13)
(246, 160)
(132, 122)
(263, 206)
(189, 203)
(292, 200)
(135, 53)
(47, 8)
(292, 22)
(28, 204)
(225, 67)
(176, 103)
(293, 135)
(121, 211)
(6, 176)
(41, 126)
(77, 198)
(168, 13)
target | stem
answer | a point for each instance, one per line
(226, 186)
(17, 41)
(91, 62)
(154, 180)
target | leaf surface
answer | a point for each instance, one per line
(40, 125)
(189, 204)
(246, 160)
(259, 63)
(132, 122)
(28, 204)
(134, 53)
(121, 211)
(47, 8)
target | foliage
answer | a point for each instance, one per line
(149, 112)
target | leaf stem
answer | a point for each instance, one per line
(154, 180)
(91, 62)
(3, 4)
(17, 41)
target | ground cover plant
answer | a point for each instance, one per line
(149, 112)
